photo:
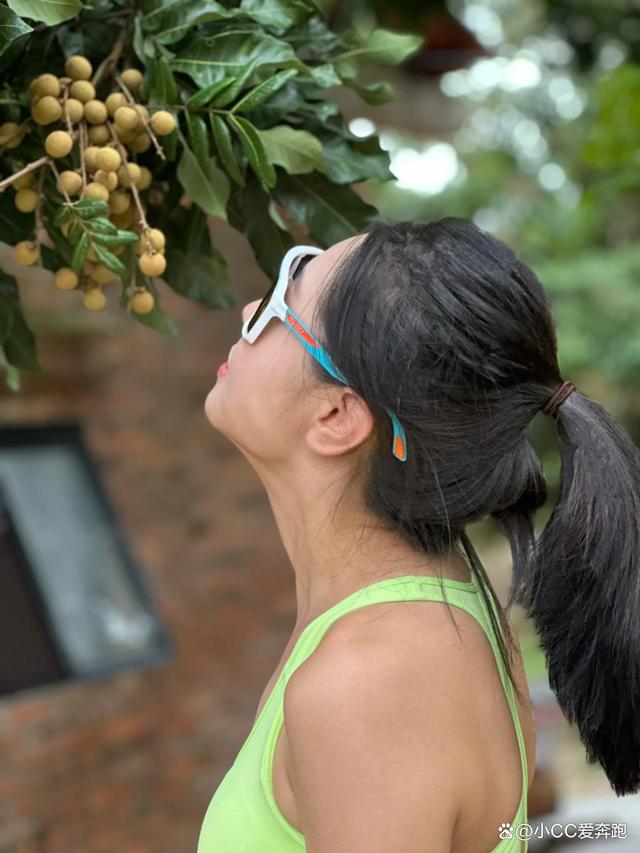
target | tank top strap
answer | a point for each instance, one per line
(465, 595)
(402, 588)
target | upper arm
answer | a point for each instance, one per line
(368, 758)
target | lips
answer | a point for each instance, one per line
(222, 370)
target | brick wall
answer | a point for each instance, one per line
(130, 761)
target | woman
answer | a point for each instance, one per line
(393, 721)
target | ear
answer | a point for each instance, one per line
(343, 421)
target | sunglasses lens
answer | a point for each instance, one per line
(265, 301)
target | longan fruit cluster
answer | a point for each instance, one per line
(107, 133)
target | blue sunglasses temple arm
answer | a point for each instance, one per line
(320, 354)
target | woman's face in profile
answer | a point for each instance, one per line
(260, 403)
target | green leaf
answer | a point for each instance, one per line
(222, 138)
(75, 231)
(80, 252)
(62, 215)
(111, 261)
(87, 208)
(208, 59)
(278, 15)
(50, 12)
(18, 341)
(295, 150)
(119, 239)
(354, 160)
(249, 214)
(325, 75)
(230, 93)
(199, 277)
(164, 89)
(254, 149)
(203, 96)
(198, 139)
(12, 28)
(169, 22)
(384, 46)
(263, 91)
(100, 225)
(208, 190)
(374, 93)
(330, 212)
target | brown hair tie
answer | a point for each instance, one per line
(558, 397)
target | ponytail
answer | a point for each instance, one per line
(580, 584)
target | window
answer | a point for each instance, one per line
(73, 604)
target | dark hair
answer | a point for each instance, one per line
(441, 322)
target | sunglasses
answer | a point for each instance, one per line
(273, 305)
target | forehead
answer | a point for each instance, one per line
(315, 270)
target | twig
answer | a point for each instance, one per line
(59, 182)
(112, 59)
(83, 139)
(145, 121)
(134, 189)
(38, 212)
(28, 168)
(64, 108)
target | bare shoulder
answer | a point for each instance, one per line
(360, 712)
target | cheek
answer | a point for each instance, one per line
(252, 404)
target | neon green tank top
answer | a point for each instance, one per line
(243, 817)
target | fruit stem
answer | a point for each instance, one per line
(38, 213)
(83, 143)
(110, 62)
(28, 168)
(145, 122)
(134, 189)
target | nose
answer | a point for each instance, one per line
(249, 309)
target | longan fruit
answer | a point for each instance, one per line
(122, 134)
(127, 118)
(113, 101)
(26, 252)
(69, 181)
(45, 84)
(123, 220)
(132, 78)
(23, 182)
(99, 134)
(74, 109)
(65, 279)
(108, 159)
(155, 237)
(119, 201)
(140, 143)
(128, 174)
(47, 110)
(145, 178)
(94, 299)
(58, 143)
(90, 154)
(109, 179)
(95, 112)
(96, 190)
(101, 274)
(142, 111)
(83, 90)
(10, 134)
(152, 264)
(163, 122)
(26, 200)
(78, 67)
(142, 302)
